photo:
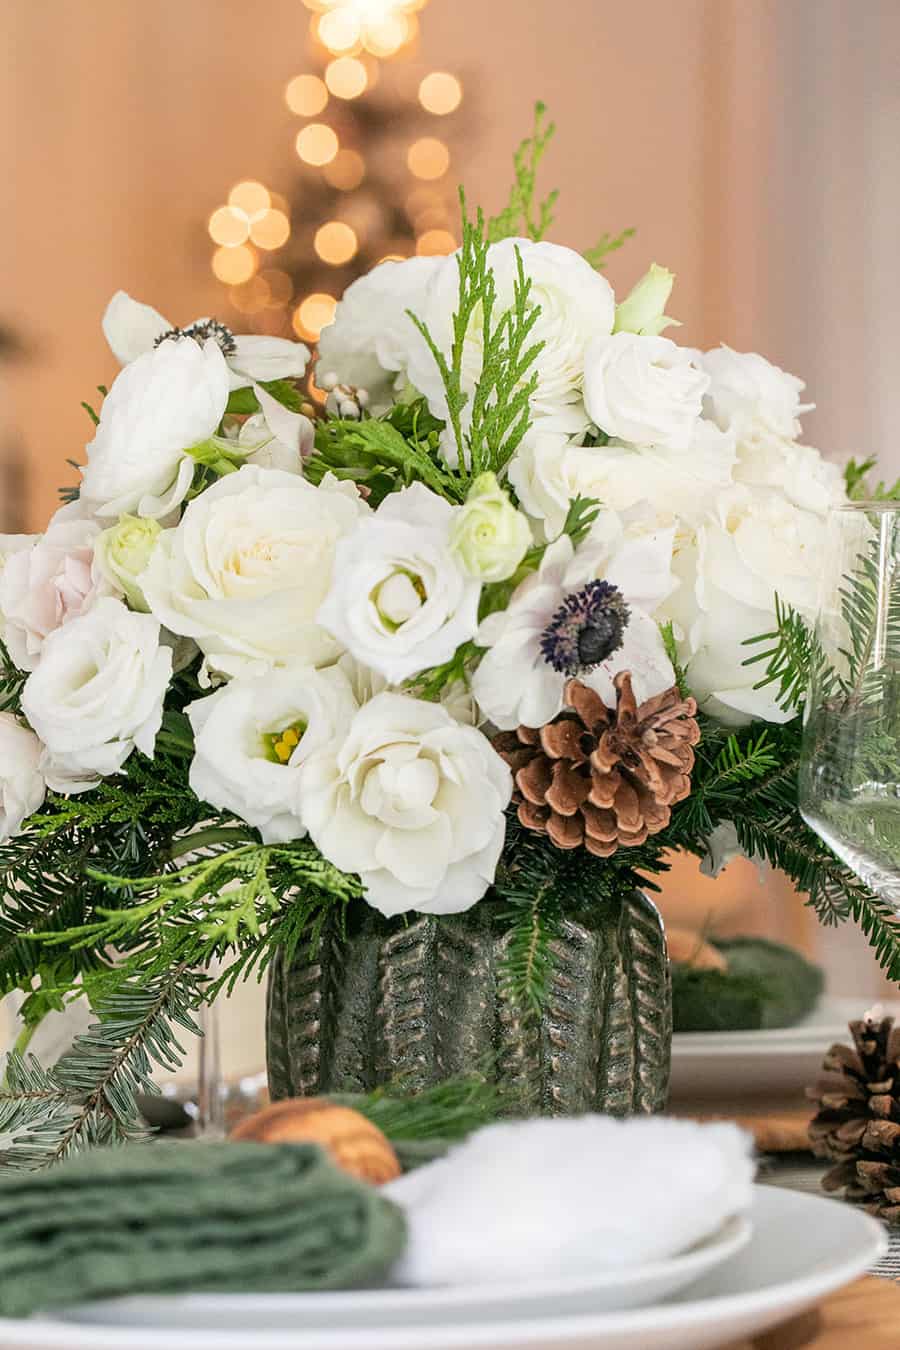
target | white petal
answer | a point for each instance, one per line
(257, 357)
(131, 328)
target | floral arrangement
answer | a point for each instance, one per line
(518, 610)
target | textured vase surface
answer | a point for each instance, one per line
(415, 1003)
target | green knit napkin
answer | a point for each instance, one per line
(175, 1217)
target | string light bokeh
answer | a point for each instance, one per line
(374, 152)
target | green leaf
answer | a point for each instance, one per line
(519, 216)
(606, 244)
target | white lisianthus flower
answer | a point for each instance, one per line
(575, 301)
(642, 310)
(611, 584)
(754, 544)
(247, 568)
(253, 736)
(413, 802)
(751, 397)
(488, 535)
(549, 470)
(131, 329)
(399, 600)
(643, 390)
(97, 693)
(47, 583)
(273, 438)
(159, 406)
(122, 552)
(368, 344)
(22, 787)
(799, 471)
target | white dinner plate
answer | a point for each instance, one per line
(731, 1065)
(802, 1249)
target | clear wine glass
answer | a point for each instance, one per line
(850, 759)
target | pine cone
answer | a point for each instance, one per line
(600, 778)
(858, 1122)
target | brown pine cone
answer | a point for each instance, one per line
(600, 778)
(858, 1122)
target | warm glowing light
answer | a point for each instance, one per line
(440, 93)
(271, 230)
(313, 314)
(346, 77)
(339, 30)
(336, 242)
(434, 243)
(281, 287)
(317, 144)
(251, 296)
(385, 38)
(234, 265)
(428, 158)
(228, 227)
(346, 171)
(306, 95)
(250, 197)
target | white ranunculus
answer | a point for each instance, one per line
(368, 344)
(516, 683)
(576, 303)
(754, 544)
(549, 470)
(45, 584)
(247, 568)
(488, 535)
(643, 390)
(98, 692)
(10, 544)
(413, 802)
(751, 397)
(399, 600)
(21, 781)
(799, 471)
(253, 736)
(131, 329)
(643, 309)
(168, 400)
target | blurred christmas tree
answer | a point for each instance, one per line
(373, 156)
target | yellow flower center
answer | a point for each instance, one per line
(280, 745)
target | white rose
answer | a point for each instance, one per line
(755, 544)
(247, 568)
(253, 736)
(533, 645)
(643, 390)
(549, 470)
(399, 600)
(488, 535)
(21, 781)
(131, 329)
(368, 344)
(413, 802)
(159, 406)
(122, 552)
(751, 397)
(806, 479)
(48, 582)
(575, 301)
(98, 692)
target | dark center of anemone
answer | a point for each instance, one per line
(586, 629)
(202, 329)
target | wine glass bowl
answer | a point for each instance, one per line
(849, 778)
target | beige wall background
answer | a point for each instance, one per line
(753, 143)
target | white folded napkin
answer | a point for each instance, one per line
(570, 1196)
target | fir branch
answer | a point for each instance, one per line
(860, 489)
(792, 659)
(606, 244)
(376, 455)
(519, 216)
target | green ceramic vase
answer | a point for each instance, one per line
(418, 1002)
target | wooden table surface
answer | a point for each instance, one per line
(864, 1316)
